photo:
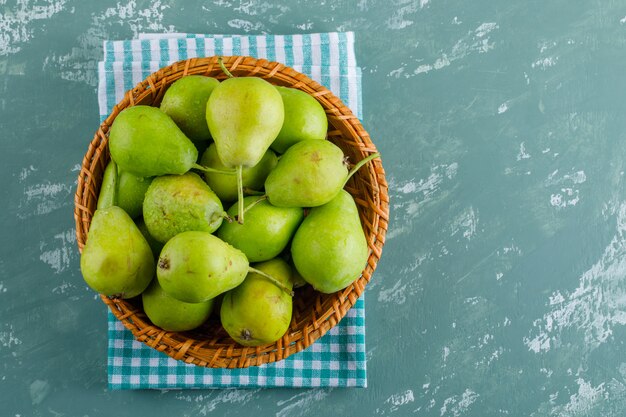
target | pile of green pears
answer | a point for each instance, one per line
(226, 196)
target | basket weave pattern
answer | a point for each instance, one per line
(313, 313)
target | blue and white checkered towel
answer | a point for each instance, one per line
(335, 360)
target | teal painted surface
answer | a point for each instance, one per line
(502, 288)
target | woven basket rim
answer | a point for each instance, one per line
(328, 310)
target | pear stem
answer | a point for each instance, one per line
(217, 171)
(254, 203)
(220, 61)
(226, 217)
(276, 282)
(250, 191)
(359, 165)
(240, 194)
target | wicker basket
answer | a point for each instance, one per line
(313, 313)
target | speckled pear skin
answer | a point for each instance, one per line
(171, 314)
(196, 266)
(258, 312)
(116, 259)
(305, 119)
(266, 232)
(309, 174)
(329, 249)
(225, 186)
(179, 203)
(244, 115)
(146, 142)
(185, 102)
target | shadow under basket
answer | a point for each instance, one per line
(313, 313)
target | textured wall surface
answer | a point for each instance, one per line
(502, 288)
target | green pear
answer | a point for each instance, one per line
(244, 116)
(224, 185)
(131, 191)
(258, 312)
(122, 189)
(196, 266)
(146, 142)
(329, 248)
(185, 102)
(155, 245)
(108, 188)
(267, 231)
(309, 174)
(297, 279)
(178, 203)
(305, 119)
(171, 314)
(116, 259)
